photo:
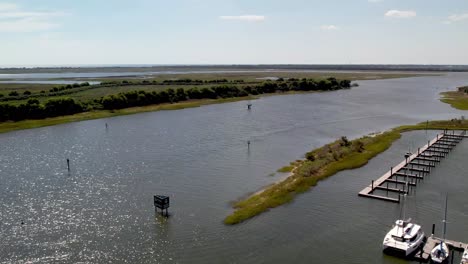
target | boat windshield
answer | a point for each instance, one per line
(400, 239)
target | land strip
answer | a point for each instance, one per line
(457, 99)
(324, 162)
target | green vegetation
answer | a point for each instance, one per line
(28, 124)
(20, 102)
(457, 99)
(324, 162)
(290, 167)
(286, 169)
(34, 109)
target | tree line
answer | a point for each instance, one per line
(77, 87)
(142, 98)
(33, 109)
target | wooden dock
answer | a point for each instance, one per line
(404, 176)
(424, 253)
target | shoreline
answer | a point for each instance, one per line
(350, 157)
(10, 126)
(457, 99)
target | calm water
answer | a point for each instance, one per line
(102, 211)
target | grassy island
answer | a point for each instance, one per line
(457, 99)
(319, 164)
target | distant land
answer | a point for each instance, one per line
(240, 67)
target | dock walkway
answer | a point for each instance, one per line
(414, 168)
(425, 252)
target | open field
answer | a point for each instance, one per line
(254, 76)
(5, 88)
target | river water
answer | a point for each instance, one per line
(102, 210)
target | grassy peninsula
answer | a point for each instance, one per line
(324, 162)
(457, 99)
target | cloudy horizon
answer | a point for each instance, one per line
(53, 32)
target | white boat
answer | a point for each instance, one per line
(440, 253)
(464, 259)
(404, 238)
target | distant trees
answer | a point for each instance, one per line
(140, 98)
(32, 109)
(68, 87)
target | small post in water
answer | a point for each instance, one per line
(68, 164)
(161, 202)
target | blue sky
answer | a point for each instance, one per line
(65, 32)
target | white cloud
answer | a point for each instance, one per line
(400, 14)
(456, 18)
(15, 19)
(375, 1)
(329, 27)
(248, 18)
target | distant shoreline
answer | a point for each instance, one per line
(239, 67)
(10, 126)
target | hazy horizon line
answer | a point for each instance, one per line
(104, 65)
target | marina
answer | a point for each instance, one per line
(416, 166)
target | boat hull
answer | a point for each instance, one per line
(440, 254)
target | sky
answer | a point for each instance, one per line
(87, 32)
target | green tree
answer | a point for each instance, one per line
(180, 94)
